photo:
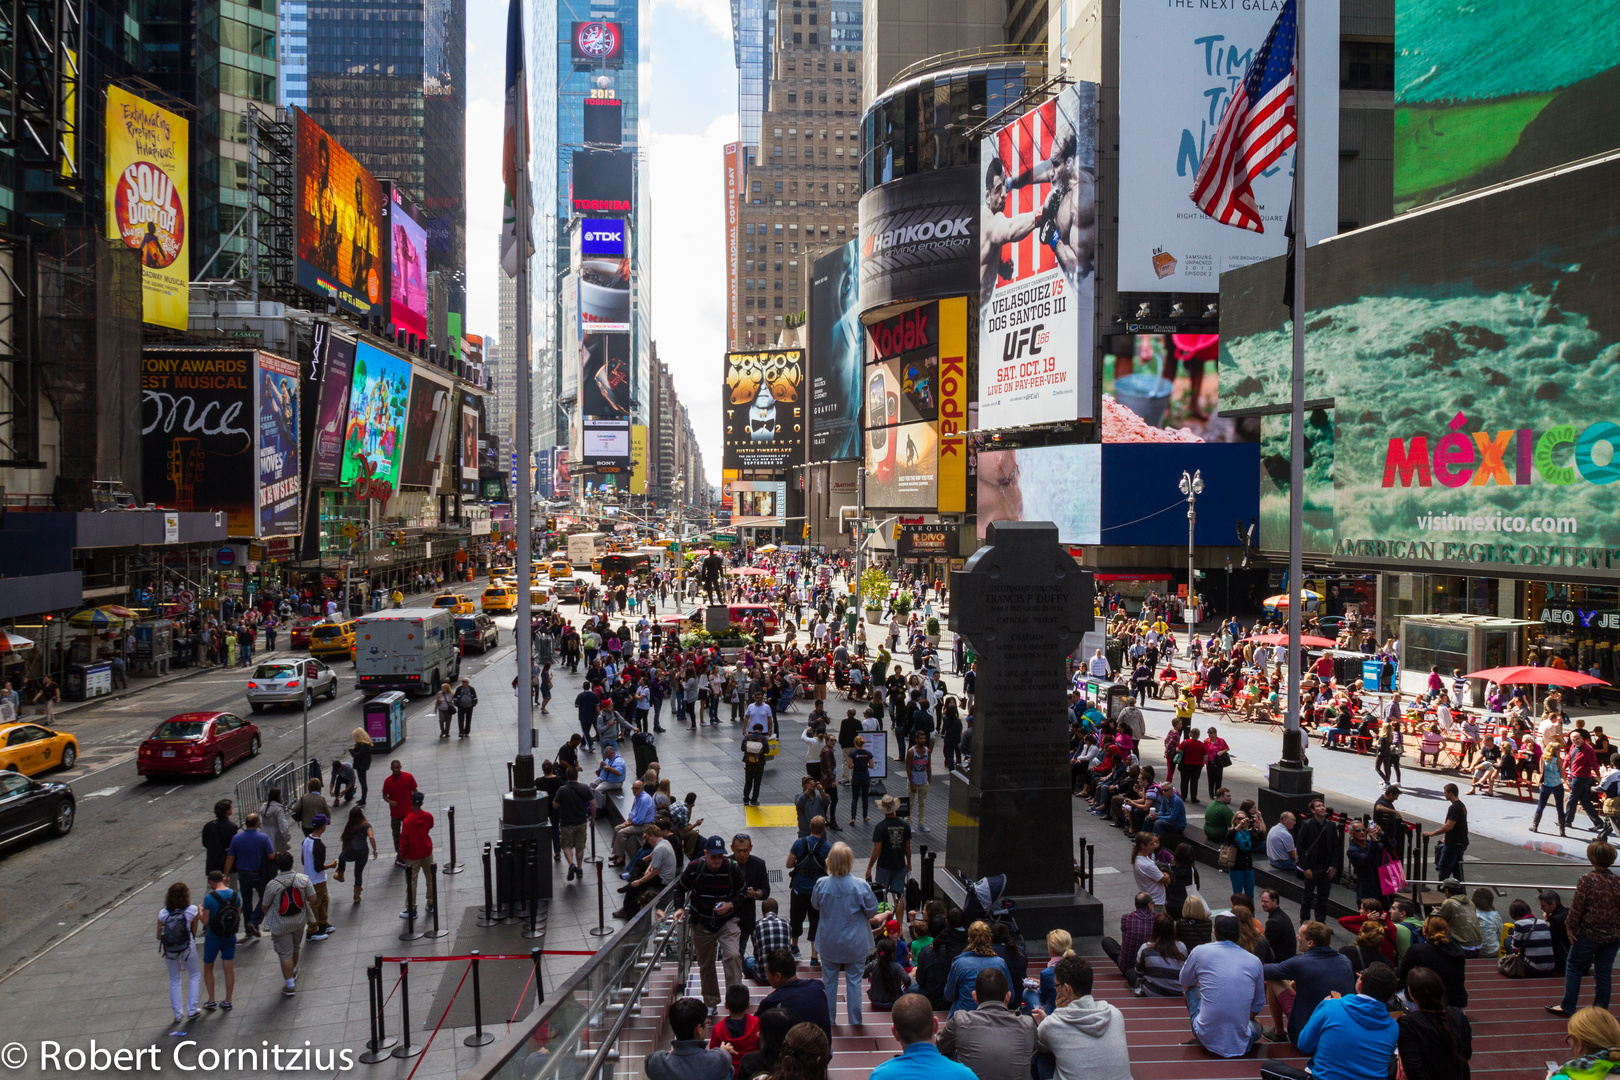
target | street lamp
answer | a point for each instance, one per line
(1191, 486)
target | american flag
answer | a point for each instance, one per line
(1256, 128)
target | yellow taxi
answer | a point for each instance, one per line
(596, 564)
(455, 603)
(500, 599)
(332, 640)
(30, 749)
(561, 569)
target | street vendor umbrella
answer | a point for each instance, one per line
(1537, 676)
(95, 619)
(10, 643)
(1310, 641)
(1309, 596)
(749, 571)
(766, 550)
(118, 611)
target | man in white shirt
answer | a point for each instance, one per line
(758, 714)
(1098, 665)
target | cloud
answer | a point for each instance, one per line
(486, 124)
(717, 13)
(689, 272)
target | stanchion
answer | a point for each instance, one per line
(535, 929)
(539, 982)
(411, 932)
(593, 857)
(405, 1049)
(452, 867)
(487, 916)
(601, 929)
(380, 1043)
(479, 1037)
(436, 932)
(506, 871)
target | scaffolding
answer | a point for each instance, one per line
(265, 264)
(42, 42)
(19, 382)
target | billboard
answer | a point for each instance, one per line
(638, 459)
(407, 268)
(932, 540)
(733, 202)
(148, 176)
(1465, 118)
(919, 238)
(378, 395)
(604, 121)
(1038, 264)
(1139, 477)
(953, 405)
(602, 182)
(759, 503)
(1060, 484)
(197, 432)
(279, 482)
(835, 356)
(902, 466)
(1470, 351)
(330, 372)
(597, 42)
(469, 442)
(604, 390)
(604, 295)
(1178, 69)
(764, 408)
(340, 226)
(427, 424)
(602, 236)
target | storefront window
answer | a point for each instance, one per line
(1442, 647)
(1579, 624)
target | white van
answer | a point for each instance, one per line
(410, 649)
(582, 549)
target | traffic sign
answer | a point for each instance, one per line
(350, 529)
(226, 556)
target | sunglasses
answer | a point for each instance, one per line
(742, 838)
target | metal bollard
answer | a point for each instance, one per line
(436, 932)
(379, 1045)
(487, 916)
(601, 928)
(479, 1037)
(452, 867)
(405, 1049)
(593, 857)
(535, 929)
(539, 981)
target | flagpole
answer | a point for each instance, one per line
(523, 768)
(1292, 748)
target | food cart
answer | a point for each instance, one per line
(385, 720)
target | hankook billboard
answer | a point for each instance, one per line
(919, 238)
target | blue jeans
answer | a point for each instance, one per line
(1243, 882)
(852, 988)
(1283, 866)
(1557, 795)
(1448, 860)
(1582, 952)
(1195, 1001)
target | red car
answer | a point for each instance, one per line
(301, 629)
(197, 744)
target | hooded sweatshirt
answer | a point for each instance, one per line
(1086, 1037)
(1349, 1038)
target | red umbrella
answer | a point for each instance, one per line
(1310, 641)
(1542, 676)
(748, 571)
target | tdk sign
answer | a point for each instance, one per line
(601, 236)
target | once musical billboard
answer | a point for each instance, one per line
(407, 272)
(378, 396)
(279, 484)
(835, 356)
(764, 408)
(1038, 264)
(198, 435)
(148, 177)
(340, 226)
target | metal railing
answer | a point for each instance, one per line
(252, 790)
(575, 1033)
(959, 57)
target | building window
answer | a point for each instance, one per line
(778, 304)
(1366, 65)
(812, 36)
(779, 187)
(798, 39)
(793, 98)
(838, 65)
(797, 18)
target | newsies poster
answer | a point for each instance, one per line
(1462, 405)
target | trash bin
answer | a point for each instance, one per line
(84, 681)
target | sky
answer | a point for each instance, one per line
(692, 104)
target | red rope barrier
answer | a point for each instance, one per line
(494, 956)
(522, 994)
(397, 980)
(428, 1045)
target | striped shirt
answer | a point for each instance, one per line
(1160, 974)
(1533, 938)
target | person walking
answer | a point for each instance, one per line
(709, 892)
(575, 807)
(360, 754)
(806, 865)
(918, 777)
(466, 700)
(177, 924)
(284, 913)
(397, 790)
(1593, 926)
(221, 919)
(891, 852)
(1448, 854)
(1582, 764)
(848, 911)
(276, 824)
(356, 837)
(1552, 787)
(754, 753)
(1193, 753)
(860, 784)
(315, 868)
(1318, 848)
(1217, 756)
(249, 859)
(217, 836)
(444, 707)
(310, 805)
(416, 848)
(48, 695)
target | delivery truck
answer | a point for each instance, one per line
(409, 649)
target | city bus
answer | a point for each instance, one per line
(582, 549)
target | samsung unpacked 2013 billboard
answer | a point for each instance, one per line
(1507, 295)
(764, 410)
(920, 238)
(835, 356)
(199, 432)
(1038, 264)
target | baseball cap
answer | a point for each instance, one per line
(891, 927)
(417, 798)
(714, 845)
(318, 820)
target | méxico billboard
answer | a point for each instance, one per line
(1038, 263)
(341, 223)
(919, 238)
(1485, 93)
(279, 482)
(148, 176)
(1179, 67)
(379, 393)
(198, 436)
(835, 356)
(407, 266)
(764, 408)
(1465, 354)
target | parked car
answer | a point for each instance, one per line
(197, 744)
(301, 629)
(30, 749)
(477, 632)
(32, 806)
(290, 682)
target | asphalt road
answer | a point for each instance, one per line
(131, 831)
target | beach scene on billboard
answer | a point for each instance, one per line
(764, 408)
(408, 269)
(605, 376)
(278, 446)
(757, 503)
(836, 342)
(339, 228)
(902, 466)
(378, 396)
(1485, 93)
(1471, 352)
(1165, 388)
(1060, 484)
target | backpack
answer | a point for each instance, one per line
(754, 752)
(176, 934)
(291, 903)
(228, 919)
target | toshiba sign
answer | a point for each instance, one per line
(919, 238)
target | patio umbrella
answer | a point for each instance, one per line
(119, 611)
(766, 550)
(1538, 676)
(748, 571)
(1310, 596)
(95, 619)
(1310, 641)
(10, 643)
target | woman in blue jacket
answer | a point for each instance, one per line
(965, 968)
(848, 911)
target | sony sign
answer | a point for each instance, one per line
(601, 236)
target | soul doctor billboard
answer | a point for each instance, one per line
(148, 173)
(1037, 264)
